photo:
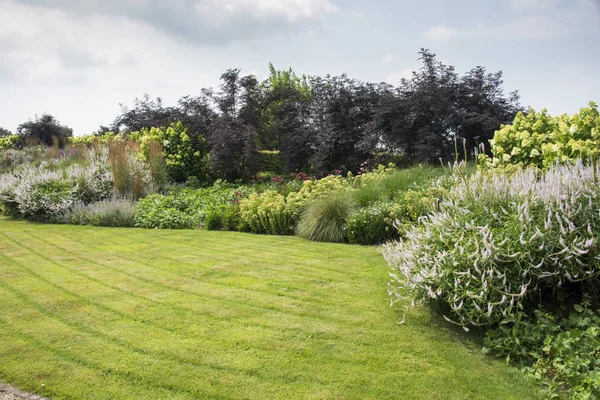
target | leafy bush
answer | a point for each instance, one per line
(91, 140)
(50, 189)
(383, 221)
(266, 213)
(540, 140)
(41, 197)
(563, 348)
(190, 208)
(9, 142)
(270, 161)
(113, 213)
(499, 244)
(181, 158)
(165, 212)
(371, 225)
(324, 218)
(12, 159)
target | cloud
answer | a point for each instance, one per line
(395, 77)
(543, 20)
(387, 59)
(440, 33)
(205, 21)
(533, 4)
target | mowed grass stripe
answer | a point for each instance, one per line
(192, 328)
(277, 302)
(120, 367)
(121, 337)
(54, 370)
(154, 356)
(277, 320)
(306, 291)
(213, 249)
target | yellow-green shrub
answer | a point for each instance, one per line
(266, 213)
(9, 142)
(181, 159)
(540, 140)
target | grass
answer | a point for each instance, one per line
(104, 313)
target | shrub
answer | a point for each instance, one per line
(324, 218)
(383, 221)
(9, 142)
(44, 195)
(270, 162)
(563, 348)
(371, 225)
(540, 140)
(266, 213)
(191, 208)
(313, 189)
(164, 212)
(181, 158)
(12, 159)
(113, 213)
(499, 244)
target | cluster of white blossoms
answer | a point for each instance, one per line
(498, 242)
(44, 190)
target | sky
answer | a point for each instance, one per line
(78, 60)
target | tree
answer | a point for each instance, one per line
(483, 106)
(232, 135)
(424, 115)
(340, 110)
(46, 129)
(233, 148)
(4, 132)
(284, 125)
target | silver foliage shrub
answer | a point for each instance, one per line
(499, 243)
(46, 193)
(111, 212)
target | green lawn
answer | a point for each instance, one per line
(98, 313)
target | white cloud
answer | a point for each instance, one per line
(440, 33)
(543, 20)
(395, 77)
(205, 21)
(387, 59)
(532, 4)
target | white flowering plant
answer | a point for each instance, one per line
(499, 244)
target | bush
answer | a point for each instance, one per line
(9, 142)
(41, 197)
(49, 190)
(539, 140)
(270, 162)
(165, 212)
(191, 208)
(371, 225)
(563, 348)
(112, 213)
(182, 159)
(383, 221)
(324, 218)
(498, 245)
(266, 213)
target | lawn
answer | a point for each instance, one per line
(98, 313)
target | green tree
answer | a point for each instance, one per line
(46, 129)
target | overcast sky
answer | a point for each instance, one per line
(78, 59)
